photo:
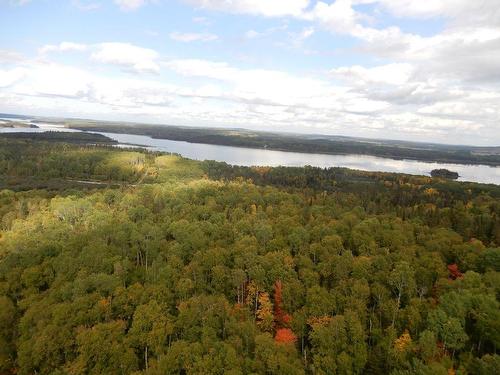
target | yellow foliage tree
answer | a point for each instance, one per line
(403, 342)
(265, 317)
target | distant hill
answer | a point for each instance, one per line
(334, 145)
(85, 138)
(308, 143)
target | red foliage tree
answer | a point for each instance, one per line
(287, 319)
(281, 318)
(279, 314)
(285, 336)
(454, 271)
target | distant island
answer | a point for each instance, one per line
(445, 173)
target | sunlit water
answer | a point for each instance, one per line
(249, 156)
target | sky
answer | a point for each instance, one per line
(399, 69)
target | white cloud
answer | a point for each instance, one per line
(221, 94)
(306, 33)
(297, 39)
(61, 81)
(252, 34)
(53, 80)
(465, 54)
(202, 21)
(364, 105)
(192, 37)
(62, 47)
(128, 56)
(85, 5)
(340, 17)
(129, 5)
(7, 56)
(460, 12)
(474, 106)
(268, 8)
(19, 2)
(393, 74)
(203, 68)
(467, 49)
(152, 33)
(9, 77)
(264, 87)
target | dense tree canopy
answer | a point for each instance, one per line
(129, 262)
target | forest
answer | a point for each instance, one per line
(125, 261)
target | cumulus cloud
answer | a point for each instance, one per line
(53, 80)
(468, 48)
(192, 37)
(127, 56)
(252, 85)
(220, 94)
(469, 54)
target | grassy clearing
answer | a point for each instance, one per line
(175, 167)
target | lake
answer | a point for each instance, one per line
(249, 157)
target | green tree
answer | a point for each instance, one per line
(151, 331)
(103, 349)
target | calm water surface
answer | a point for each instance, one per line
(249, 157)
